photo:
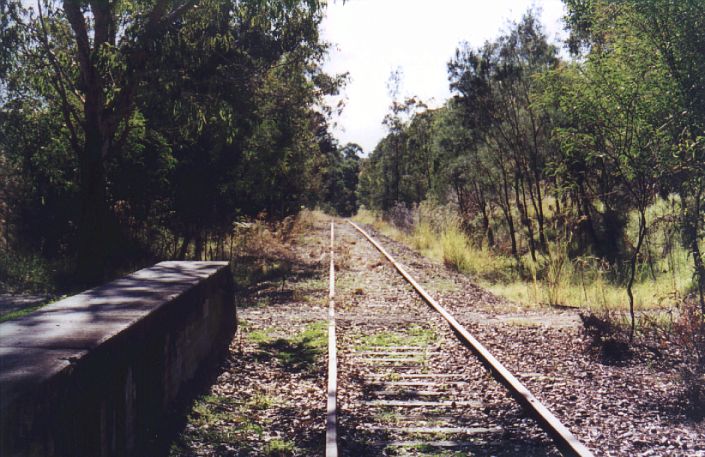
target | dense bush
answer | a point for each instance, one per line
(109, 158)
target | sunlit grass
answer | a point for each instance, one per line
(365, 216)
(21, 312)
(554, 279)
(415, 335)
(597, 294)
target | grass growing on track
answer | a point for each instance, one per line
(238, 422)
(425, 450)
(415, 335)
(243, 423)
(278, 447)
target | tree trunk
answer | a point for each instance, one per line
(462, 203)
(92, 226)
(540, 216)
(507, 210)
(198, 249)
(691, 215)
(632, 270)
(184, 247)
(586, 223)
(485, 217)
(523, 213)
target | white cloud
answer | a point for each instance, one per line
(373, 37)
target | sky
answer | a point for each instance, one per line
(372, 38)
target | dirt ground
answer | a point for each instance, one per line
(269, 396)
(633, 407)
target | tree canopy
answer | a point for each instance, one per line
(130, 128)
(535, 149)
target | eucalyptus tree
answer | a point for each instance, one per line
(243, 96)
(464, 172)
(88, 59)
(495, 84)
(675, 29)
(424, 168)
(341, 179)
(172, 110)
(664, 41)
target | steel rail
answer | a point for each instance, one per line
(566, 442)
(331, 416)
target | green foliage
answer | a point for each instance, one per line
(455, 249)
(25, 273)
(224, 121)
(402, 167)
(341, 179)
(570, 179)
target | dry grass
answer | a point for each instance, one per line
(554, 279)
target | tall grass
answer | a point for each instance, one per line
(555, 278)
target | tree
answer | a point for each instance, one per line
(673, 32)
(675, 29)
(110, 44)
(217, 124)
(496, 87)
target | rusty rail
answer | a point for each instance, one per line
(563, 438)
(331, 416)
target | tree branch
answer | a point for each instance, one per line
(58, 82)
(78, 24)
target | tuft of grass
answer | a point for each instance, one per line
(260, 336)
(260, 401)
(315, 336)
(388, 416)
(422, 239)
(415, 335)
(21, 312)
(365, 216)
(455, 248)
(279, 448)
(298, 352)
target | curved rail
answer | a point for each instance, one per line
(331, 416)
(564, 439)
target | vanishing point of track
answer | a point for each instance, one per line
(410, 389)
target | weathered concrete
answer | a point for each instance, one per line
(95, 374)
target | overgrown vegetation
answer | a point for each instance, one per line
(554, 279)
(415, 335)
(575, 183)
(211, 412)
(572, 182)
(133, 132)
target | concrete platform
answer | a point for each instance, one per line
(93, 374)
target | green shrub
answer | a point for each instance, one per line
(25, 273)
(454, 246)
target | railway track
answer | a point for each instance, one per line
(406, 379)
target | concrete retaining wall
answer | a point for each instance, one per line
(94, 374)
